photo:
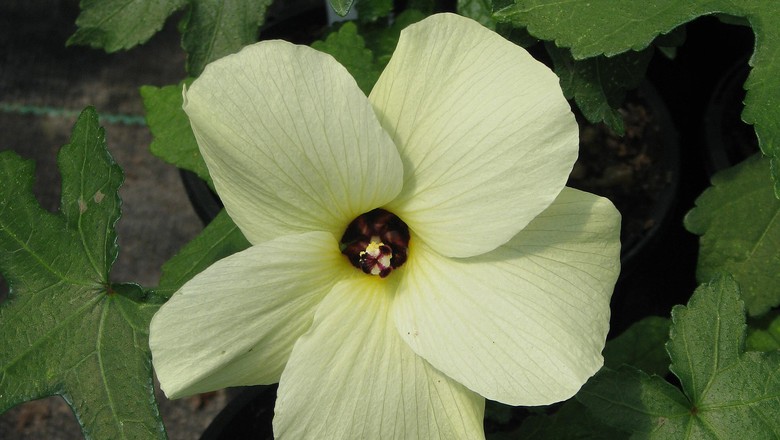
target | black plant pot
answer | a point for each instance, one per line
(247, 416)
(205, 202)
(728, 140)
(668, 175)
(639, 172)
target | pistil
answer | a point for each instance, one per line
(375, 260)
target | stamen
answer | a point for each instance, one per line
(376, 242)
(375, 260)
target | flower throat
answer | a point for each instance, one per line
(376, 242)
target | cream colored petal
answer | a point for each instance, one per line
(526, 323)
(352, 377)
(291, 142)
(236, 322)
(485, 134)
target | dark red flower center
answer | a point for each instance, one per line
(376, 242)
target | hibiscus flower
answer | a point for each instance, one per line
(413, 252)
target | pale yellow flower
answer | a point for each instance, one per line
(505, 290)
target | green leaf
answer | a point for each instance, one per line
(210, 29)
(382, 41)
(603, 27)
(599, 84)
(707, 337)
(572, 421)
(373, 10)
(738, 219)
(763, 83)
(215, 28)
(341, 7)
(610, 27)
(630, 400)
(478, 10)
(66, 330)
(767, 339)
(121, 24)
(726, 393)
(173, 140)
(218, 240)
(349, 49)
(641, 346)
(427, 7)
(517, 35)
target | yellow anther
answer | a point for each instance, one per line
(373, 247)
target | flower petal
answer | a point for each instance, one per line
(291, 142)
(236, 322)
(352, 377)
(483, 130)
(526, 323)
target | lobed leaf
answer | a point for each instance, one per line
(572, 421)
(726, 393)
(633, 401)
(215, 28)
(599, 84)
(707, 337)
(121, 24)
(210, 29)
(738, 219)
(602, 27)
(641, 346)
(763, 83)
(173, 139)
(478, 10)
(373, 10)
(768, 339)
(349, 49)
(66, 330)
(382, 41)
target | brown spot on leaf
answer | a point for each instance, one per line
(99, 196)
(82, 206)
